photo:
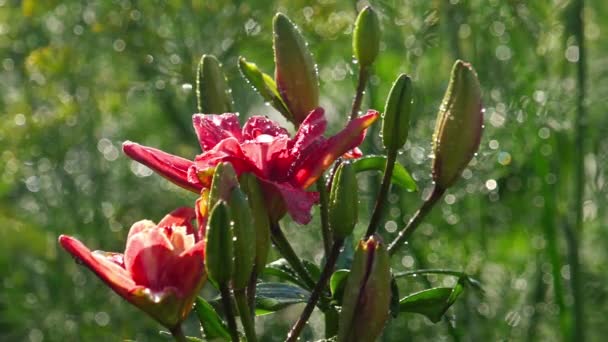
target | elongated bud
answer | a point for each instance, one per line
(244, 238)
(366, 37)
(397, 112)
(458, 128)
(295, 73)
(265, 86)
(367, 294)
(218, 245)
(224, 179)
(259, 219)
(213, 94)
(343, 201)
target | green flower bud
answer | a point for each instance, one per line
(295, 73)
(343, 201)
(212, 91)
(224, 179)
(259, 219)
(458, 128)
(244, 238)
(367, 295)
(397, 112)
(366, 37)
(265, 86)
(218, 245)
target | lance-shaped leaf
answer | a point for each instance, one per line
(459, 124)
(400, 176)
(366, 37)
(244, 238)
(397, 112)
(265, 86)
(367, 295)
(218, 248)
(433, 303)
(213, 326)
(259, 219)
(271, 297)
(343, 201)
(295, 70)
(213, 94)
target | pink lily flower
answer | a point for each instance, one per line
(161, 270)
(286, 166)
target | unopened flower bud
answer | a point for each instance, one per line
(295, 73)
(458, 128)
(224, 179)
(397, 112)
(367, 294)
(366, 37)
(259, 219)
(343, 201)
(218, 245)
(212, 91)
(265, 86)
(244, 237)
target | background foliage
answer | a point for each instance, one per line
(79, 77)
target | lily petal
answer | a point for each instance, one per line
(106, 269)
(298, 202)
(257, 125)
(173, 168)
(180, 217)
(315, 162)
(211, 128)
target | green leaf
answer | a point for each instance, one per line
(280, 268)
(271, 297)
(264, 85)
(313, 269)
(433, 303)
(462, 277)
(394, 298)
(400, 176)
(213, 326)
(337, 283)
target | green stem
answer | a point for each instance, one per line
(573, 235)
(382, 194)
(323, 206)
(282, 244)
(178, 334)
(413, 223)
(361, 82)
(245, 313)
(251, 288)
(331, 322)
(227, 303)
(316, 293)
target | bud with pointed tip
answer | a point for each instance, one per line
(343, 201)
(367, 294)
(458, 127)
(218, 244)
(366, 37)
(212, 91)
(295, 73)
(397, 112)
(244, 238)
(259, 219)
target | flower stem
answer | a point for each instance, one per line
(245, 313)
(282, 244)
(382, 194)
(361, 83)
(178, 334)
(316, 293)
(251, 288)
(413, 223)
(227, 303)
(323, 201)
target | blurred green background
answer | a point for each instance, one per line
(79, 77)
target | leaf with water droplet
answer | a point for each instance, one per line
(400, 176)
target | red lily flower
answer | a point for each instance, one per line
(161, 270)
(286, 166)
